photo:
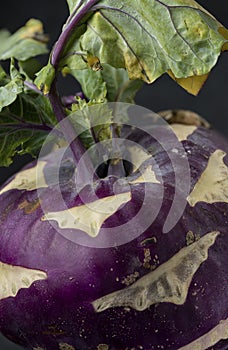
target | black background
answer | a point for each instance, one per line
(211, 103)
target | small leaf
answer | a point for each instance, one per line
(15, 74)
(45, 78)
(151, 39)
(9, 92)
(29, 41)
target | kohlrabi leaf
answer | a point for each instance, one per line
(92, 83)
(151, 37)
(24, 125)
(119, 87)
(34, 108)
(29, 41)
(45, 78)
(192, 84)
(11, 88)
(88, 120)
(108, 83)
(14, 142)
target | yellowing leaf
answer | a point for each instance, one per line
(224, 32)
(45, 78)
(29, 41)
(191, 84)
(94, 63)
(150, 38)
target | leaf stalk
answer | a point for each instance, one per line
(76, 146)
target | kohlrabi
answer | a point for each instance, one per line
(116, 236)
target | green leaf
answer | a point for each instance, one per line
(33, 144)
(8, 94)
(150, 38)
(9, 142)
(111, 83)
(18, 142)
(74, 5)
(3, 77)
(119, 87)
(92, 83)
(88, 121)
(15, 74)
(33, 108)
(9, 91)
(24, 125)
(45, 78)
(29, 41)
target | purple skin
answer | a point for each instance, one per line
(58, 311)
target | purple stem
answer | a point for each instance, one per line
(63, 39)
(116, 166)
(32, 87)
(76, 146)
(29, 126)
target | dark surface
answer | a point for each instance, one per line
(212, 102)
